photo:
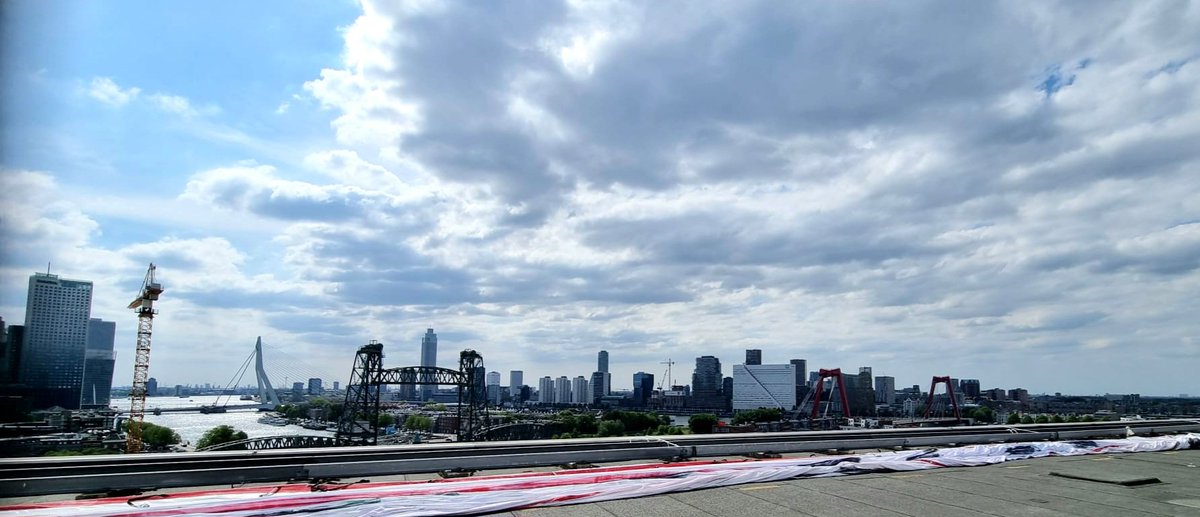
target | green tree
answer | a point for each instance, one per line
(418, 423)
(667, 429)
(1072, 418)
(220, 434)
(1057, 419)
(983, 415)
(702, 423)
(156, 436)
(611, 428)
(1088, 418)
(1042, 419)
(1013, 419)
(1026, 419)
(385, 419)
(635, 422)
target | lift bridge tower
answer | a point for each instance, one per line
(143, 305)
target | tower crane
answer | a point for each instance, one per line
(143, 305)
(667, 378)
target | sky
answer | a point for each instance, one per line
(1007, 191)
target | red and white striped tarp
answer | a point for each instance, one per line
(465, 496)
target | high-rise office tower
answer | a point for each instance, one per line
(602, 361)
(493, 378)
(10, 359)
(753, 357)
(707, 376)
(643, 386)
(98, 363)
(885, 390)
(428, 358)
(801, 378)
(151, 387)
(706, 383)
(57, 311)
(516, 379)
(801, 371)
(315, 386)
(596, 387)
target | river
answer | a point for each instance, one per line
(191, 426)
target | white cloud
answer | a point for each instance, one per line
(105, 90)
(172, 104)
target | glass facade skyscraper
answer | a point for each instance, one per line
(98, 363)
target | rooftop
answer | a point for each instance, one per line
(1020, 488)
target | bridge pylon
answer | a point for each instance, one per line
(949, 392)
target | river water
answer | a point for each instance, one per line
(191, 426)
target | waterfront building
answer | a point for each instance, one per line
(753, 357)
(98, 361)
(428, 358)
(151, 387)
(57, 311)
(314, 386)
(764, 385)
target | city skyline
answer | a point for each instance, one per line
(1000, 191)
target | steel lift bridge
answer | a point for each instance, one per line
(360, 416)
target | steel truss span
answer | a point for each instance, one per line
(93, 474)
(359, 424)
(298, 441)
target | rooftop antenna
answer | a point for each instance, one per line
(47, 267)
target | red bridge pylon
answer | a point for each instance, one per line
(949, 392)
(836, 375)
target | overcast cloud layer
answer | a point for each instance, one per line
(1004, 191)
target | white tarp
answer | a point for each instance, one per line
(499, 493)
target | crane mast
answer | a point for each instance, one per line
(143, 305)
